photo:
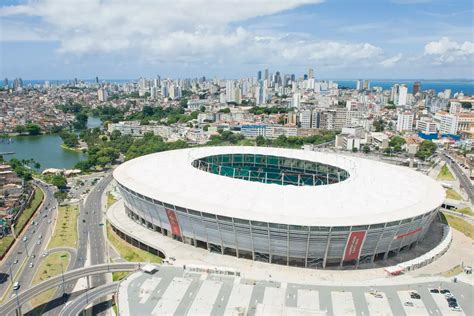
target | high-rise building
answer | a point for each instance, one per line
(102, 95)
(17, 83)
(366, 85)
(96, 79)
(402, 94)
(5, 83)
(447, 93)
(405, 121)
(310, 73)
(259, 75)
(296, 99)
(359, 84)
(304, 119)
(267, 75)
(229, 91)
(416, 87)
(262, 93)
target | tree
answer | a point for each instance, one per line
(81, 121)
(354, 149)
(396, 142)
(260, 140)
(427, 148)
(366, 149)
(225, 110)
(20, 129)
(183, 103)
(69, 139)
(33, 129)
(60, 196)
(59, 181)
(379, 125)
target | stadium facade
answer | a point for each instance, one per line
(290, 207)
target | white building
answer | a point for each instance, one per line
(405, 121)
(426, 126)
(402, 95)
(448, 123)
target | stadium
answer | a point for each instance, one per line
(283, 206)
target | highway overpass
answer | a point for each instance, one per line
(15, 302)
(80, 303)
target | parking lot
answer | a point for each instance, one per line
(173, 290)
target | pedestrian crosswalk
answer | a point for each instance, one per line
(181, 295)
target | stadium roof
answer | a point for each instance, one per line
(375, 192)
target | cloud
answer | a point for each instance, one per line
(182, 31)
(446, 50)
(392, 61)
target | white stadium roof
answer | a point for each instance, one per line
(375, 192)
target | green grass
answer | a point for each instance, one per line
(460, 225)
(49, 267)
(452, 194)
(465, 210)
(110, 199)
(445, 174)
(129, 252)
(65, 232)
(5, 243)
(117, 276)
(29, 211)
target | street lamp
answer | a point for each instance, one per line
(26, 248)
(18, 302)
(11, 273)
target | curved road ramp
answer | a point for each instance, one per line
(75, 307)
(14, 303)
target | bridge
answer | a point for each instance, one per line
(7, 153)
(79, 304)
(14, 303)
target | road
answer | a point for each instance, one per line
(464, 181)
(91, 235)
(34, 245)
(78, 304)
(25, 294)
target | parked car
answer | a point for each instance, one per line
(408, 304)
(31, 265)
(444, 291)
(16, 286)
(434, 291)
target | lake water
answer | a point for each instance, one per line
(45, 149)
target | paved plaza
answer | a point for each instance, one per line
(175, 291)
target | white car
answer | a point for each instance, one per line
(456, 308)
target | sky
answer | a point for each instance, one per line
(339, 39)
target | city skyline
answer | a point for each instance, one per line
(409, 39)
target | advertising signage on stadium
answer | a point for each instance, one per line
(354, 245)
(175, 230)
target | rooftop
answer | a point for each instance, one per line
(374, 192)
